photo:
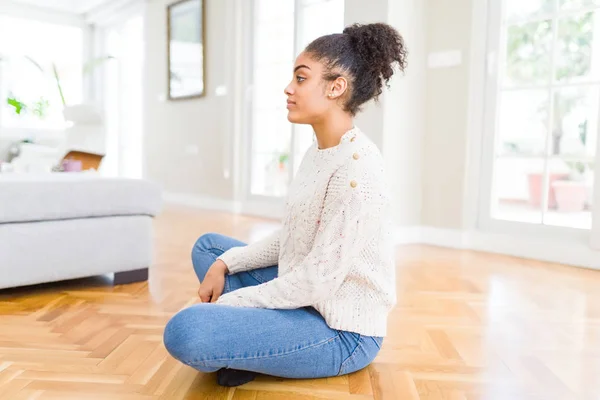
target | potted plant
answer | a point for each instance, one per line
(283, 159)
(572, 193)
(535, 186)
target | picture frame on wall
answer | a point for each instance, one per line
(186, 50)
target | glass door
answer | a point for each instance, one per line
(542, 113)
(281, 29)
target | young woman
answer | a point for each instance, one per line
(312, 299)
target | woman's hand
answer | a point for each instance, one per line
(214, 282)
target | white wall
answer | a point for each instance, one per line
(187, 143)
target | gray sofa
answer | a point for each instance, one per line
(58, 226)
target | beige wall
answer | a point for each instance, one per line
(371, 119)
(445, 140)
(171, 127)
(395, 124)
(405, 114)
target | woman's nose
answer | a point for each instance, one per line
(288, 90)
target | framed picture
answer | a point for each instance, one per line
(186, 50)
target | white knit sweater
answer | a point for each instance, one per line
(334, 250)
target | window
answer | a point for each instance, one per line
(316, 18)
(282, 28)
(273, 60)
(29, 49)
(123, 97)
(546, 106)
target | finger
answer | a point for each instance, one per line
(216, 295)
(205, 294)
(205, 298)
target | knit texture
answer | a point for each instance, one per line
(334, 249)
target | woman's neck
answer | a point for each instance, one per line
(330, 130)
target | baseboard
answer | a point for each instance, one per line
(572, 251)
(254, 208)
(444, 237)
(567, 251)
(204, 202)
(265, 210)
(407, 235)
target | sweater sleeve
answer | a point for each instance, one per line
(342, 225)
(263, 253)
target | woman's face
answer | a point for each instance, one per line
(307, 99)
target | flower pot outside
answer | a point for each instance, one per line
(571, 196)
(536, 186)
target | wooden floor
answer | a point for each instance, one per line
(467, 326)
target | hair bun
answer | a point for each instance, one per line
(379, 46)
(366, 54)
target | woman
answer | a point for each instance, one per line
(312, 299)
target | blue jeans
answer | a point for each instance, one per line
(286, 343)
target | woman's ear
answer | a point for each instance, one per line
(338, 87)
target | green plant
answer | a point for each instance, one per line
(18, 105)
(38, 108)
(577, 167)
(583, 128)
(284, 157)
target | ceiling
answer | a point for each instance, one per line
(71, 6)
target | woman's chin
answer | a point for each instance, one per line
(292, 118)
(295, 118)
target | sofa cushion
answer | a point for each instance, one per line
(59, 196)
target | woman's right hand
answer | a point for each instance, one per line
(214, 282)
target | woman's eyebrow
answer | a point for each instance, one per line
(301, 66)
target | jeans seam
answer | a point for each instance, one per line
(351, 356)
(214, 247)
(255, 276)
(226, 286)
(376, 344)
(322, 343)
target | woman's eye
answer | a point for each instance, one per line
(300, 78)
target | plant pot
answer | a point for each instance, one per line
(571, 196)
(536, 186)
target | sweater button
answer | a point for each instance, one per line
(353, 184)
(355, 156)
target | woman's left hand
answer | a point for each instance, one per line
(212, 286)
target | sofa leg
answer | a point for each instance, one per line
(125, 277)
